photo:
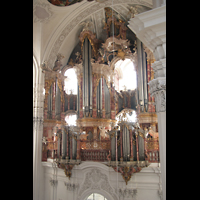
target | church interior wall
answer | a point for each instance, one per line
(142, 186)
(57, 146)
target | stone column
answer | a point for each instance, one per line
(38, 106)
(150, 28)
(158, 90)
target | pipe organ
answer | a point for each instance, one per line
(104, 129)
(127, 142)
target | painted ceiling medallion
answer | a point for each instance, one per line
(41, 12)
(66, 2)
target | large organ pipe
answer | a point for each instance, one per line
(144, 79)
(90, 77)
(100, 95)
(140, 76)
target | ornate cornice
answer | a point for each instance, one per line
(150, 28)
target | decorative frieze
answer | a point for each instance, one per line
(71, 187)
(127, 193)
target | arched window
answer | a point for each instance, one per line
(70, 82)
(125, 78)
(95, 196)
(71, 119)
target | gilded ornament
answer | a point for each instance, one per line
(121, 54)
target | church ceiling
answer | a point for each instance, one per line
(60, 34)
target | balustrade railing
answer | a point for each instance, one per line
(153, 156)
(95, 150)
(94, 154)
(152, 146)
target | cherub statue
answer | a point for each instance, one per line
(58, 63)
(103, 132)
(78, 57)
(44, 66)
(101, 52)
(133, 11)
(86, 25)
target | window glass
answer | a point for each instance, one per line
(71, 119)
(95, 196)
(70, 82)
(125, 79)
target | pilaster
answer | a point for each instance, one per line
(38, 117)
(150, 28)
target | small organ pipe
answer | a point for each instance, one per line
(63, 143)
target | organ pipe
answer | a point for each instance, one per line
(87, 78)
(144, 79)
(63, 143)
(140, 75)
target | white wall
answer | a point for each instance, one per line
(89, 177)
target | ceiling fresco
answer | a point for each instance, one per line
(65, 2)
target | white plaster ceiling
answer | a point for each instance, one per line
(58, 31)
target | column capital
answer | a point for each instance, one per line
(157, 84)
(158, 90)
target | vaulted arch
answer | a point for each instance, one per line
(64, 36)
